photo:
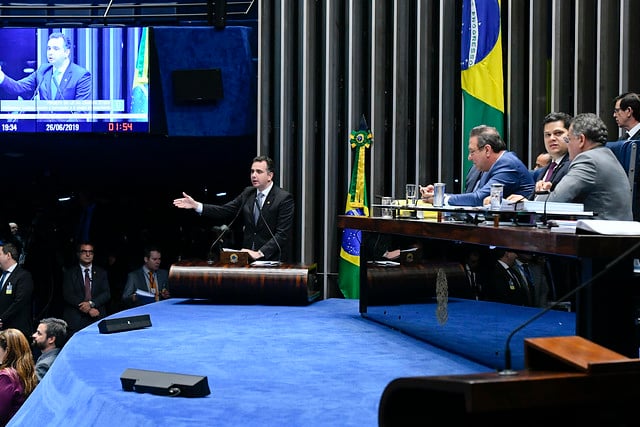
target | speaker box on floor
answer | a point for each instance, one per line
(164, 383)
(108, 326)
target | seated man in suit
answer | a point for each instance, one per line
(489, 154)
(555, 128)
(148, 278)
(267, 223)
(49, 338)
(595, 177)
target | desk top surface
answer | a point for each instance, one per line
(530, 239)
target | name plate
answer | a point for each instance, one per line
(233, 257)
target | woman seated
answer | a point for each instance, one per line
(17, 373)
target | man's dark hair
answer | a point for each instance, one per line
(591, 126)
(64, 38)
(85, 243)
(556, 117)
(149, 249)
(630, 99)
(270, 164)
(56, 328)
(488, 135)
(10, 248)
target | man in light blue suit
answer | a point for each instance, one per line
(489, 154)
(149, 278)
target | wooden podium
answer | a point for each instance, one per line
(567, 381)
(283, 284)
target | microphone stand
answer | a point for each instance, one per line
(507, 351)
(210, 259)
(106, 12)
(270, 232)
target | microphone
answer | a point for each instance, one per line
(224, 230)
(544, 209)
(270, 232)
(507, 351)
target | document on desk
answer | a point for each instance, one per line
(144, 296)
(615, 228)
(265, 263)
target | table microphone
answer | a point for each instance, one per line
(507, 351)
(270, 232)
(544, 209)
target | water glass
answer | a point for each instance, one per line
(387, 212)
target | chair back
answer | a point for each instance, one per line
(627, 153)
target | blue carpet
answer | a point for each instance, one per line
(320, 365)
(477, 330)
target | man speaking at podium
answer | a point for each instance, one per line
(266, 210)
(60, 79)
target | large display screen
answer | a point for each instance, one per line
(74, 79)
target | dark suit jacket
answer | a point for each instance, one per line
(16, 302)
(74, 84)
(137, 279)
(272, 233)
(558, 173)
(73, 293)
(501, 287)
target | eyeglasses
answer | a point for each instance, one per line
(85, 251)
(617, 110)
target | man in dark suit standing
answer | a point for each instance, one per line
(16, 289)
(149, 278)
(60, 79)
(266, 209)
(85, 288)
(627, 114)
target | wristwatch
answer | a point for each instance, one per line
(92, 304)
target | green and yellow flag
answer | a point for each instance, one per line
(349, 267)
(481, 64)
(140, 87)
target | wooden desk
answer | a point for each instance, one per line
(567, 381)
(228, 284)
(604, 310)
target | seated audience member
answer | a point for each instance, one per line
(505, 283)
(17, 373)
(595, 177)
(85, 289)
(489, 154)
(49, 338)
(149, 278)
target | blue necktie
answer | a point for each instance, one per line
(54, 83)
(3, 277)
(257, 207)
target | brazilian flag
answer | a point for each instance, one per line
(357, 204)
(481, 65)
(140, 88)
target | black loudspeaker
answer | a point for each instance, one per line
(108, 326)
(197, 86)
(164, 383)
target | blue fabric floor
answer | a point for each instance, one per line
(320, 365)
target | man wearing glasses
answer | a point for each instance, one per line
(489, 154)
(627, 114)
(595, 177)
(85, 289)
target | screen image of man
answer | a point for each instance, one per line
(59, 79)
